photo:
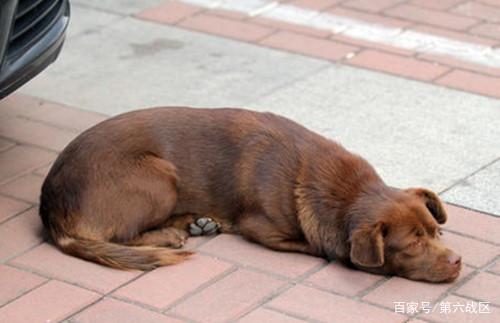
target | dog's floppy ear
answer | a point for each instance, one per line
(367, 245)
(433, 203)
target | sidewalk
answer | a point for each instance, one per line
(421, 118)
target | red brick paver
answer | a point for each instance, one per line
(269, 316)
(164, 286)
(433, 4)
(21, 159)
(112, 310)
(169, 13)
(472, 223)
(16, 282)
(319, 305)
(408, 67)
(307, 45)
(49, 113)
(484, 286)
(51, 262)
(229, 298)
(471, 81)
(51, 302)
(20, 233)
(487, 30)
(320, 33)
(456, 63)
(26, 188)
(249, 254)
(226, 27)
(432, 17)
(340, 279)
(398, 289)
(35, 133)
(479, 10)
(10, 207)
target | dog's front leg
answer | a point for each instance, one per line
(259, 228)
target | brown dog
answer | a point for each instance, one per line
(132, 185)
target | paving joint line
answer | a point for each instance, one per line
(259, 303)
(177, 23)
(456, 5)
(10, 144)
(472, 209)
(17, 197)
(29, 144)
(289, 284)
(63, 105)
(371, 288)
(52, 125)
(29, 207)
(462, 68)
(449, 70)
(24, 293)
(102, 295)
(463, 179)
(199, 289)
(293, 315)
(465, 235)
(247, 267)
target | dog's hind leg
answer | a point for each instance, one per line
(122, 201)
(129, 201)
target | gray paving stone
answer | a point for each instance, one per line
(86, 21)
(134, 64)
(127, 7)
(415, 134)
(480, 191)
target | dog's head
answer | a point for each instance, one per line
(402, 237)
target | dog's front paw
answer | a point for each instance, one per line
(203, 226)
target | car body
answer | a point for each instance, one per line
(32, 33)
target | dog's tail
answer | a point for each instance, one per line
(120, 256)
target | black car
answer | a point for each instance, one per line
(31, 36)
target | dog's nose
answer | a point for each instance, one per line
(454, 259)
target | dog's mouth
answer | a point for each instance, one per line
(454, 275)
(443, 275)
(451, 275)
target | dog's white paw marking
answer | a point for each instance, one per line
(203, 226)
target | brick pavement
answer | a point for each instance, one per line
(230, 279)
